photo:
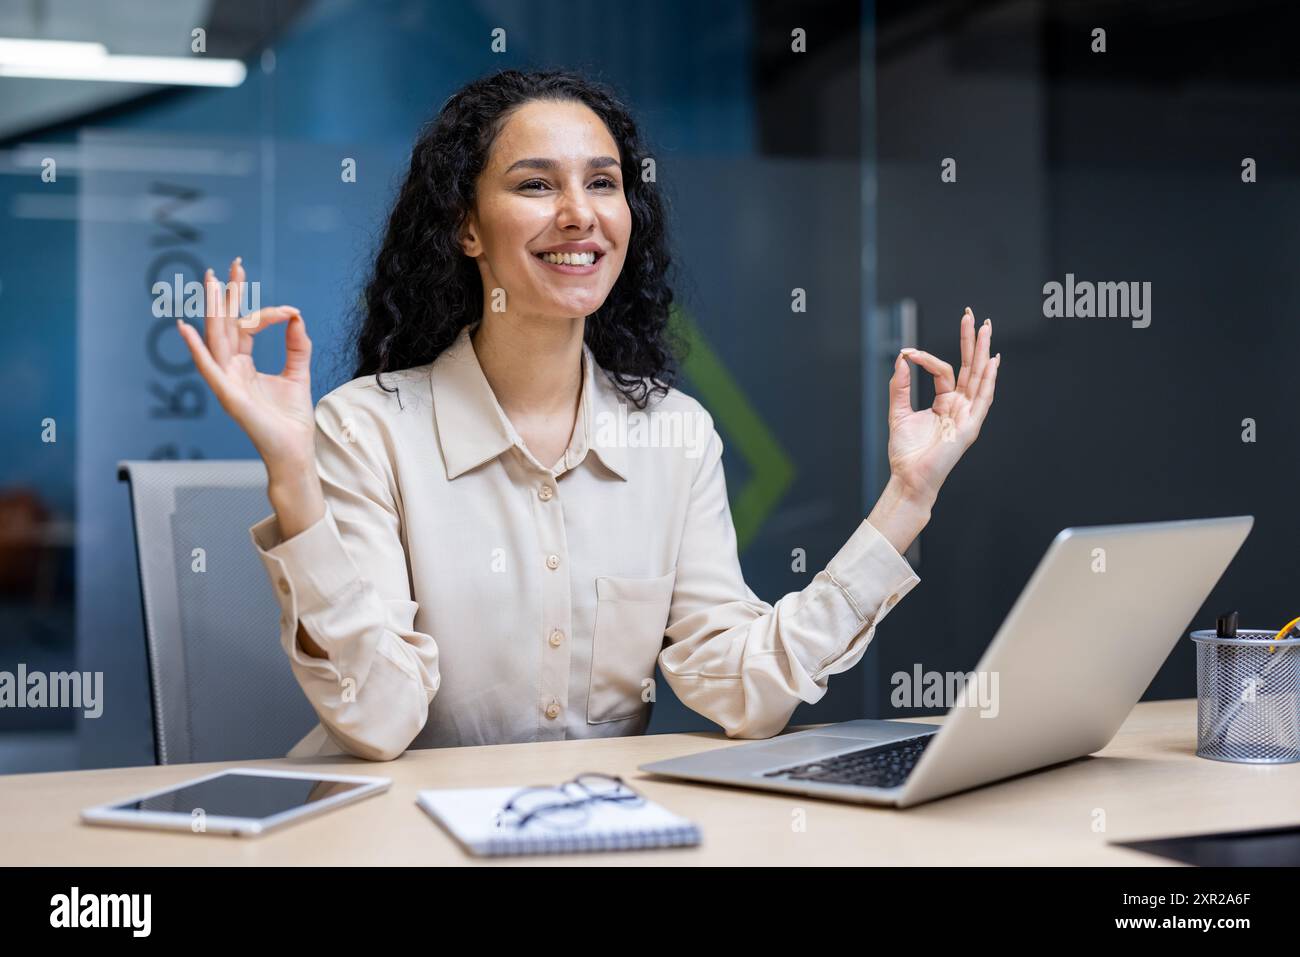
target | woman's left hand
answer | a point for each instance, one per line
(924, 445)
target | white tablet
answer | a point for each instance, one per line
(237, 801)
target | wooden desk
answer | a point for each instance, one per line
(1148, 782)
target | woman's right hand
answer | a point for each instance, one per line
(275, 411)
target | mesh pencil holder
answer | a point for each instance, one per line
(1247, 699)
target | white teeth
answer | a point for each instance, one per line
(569, 259)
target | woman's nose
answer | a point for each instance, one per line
(575, 209)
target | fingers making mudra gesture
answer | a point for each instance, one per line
(276, 411)
(925, 444)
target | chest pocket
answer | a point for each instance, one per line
(631, 617)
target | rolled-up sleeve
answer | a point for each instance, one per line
(744, 663)
(373, 688)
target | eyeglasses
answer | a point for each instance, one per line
(567, 805)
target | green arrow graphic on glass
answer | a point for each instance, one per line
(770, 470)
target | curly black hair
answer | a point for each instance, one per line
(423, 289)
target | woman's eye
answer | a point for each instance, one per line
(538, 185)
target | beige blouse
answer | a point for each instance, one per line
(466, 594)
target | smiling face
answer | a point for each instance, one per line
(550, 223)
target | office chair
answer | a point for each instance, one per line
(220, 684)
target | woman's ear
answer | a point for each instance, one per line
(469, 241)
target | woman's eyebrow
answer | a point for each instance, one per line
(596, 162)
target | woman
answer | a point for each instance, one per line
(467, 545)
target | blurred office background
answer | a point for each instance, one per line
(813, 166)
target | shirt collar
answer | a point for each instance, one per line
(473, 428)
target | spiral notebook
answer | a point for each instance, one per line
(471, 816)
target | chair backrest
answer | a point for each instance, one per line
(220, 683)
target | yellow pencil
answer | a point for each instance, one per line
(1282, 634)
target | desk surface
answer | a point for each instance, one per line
(1148, 782)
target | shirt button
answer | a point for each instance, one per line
(284, 621)
(284, 585)
(892, 600)
(552, 562)
(552, 711)
(557, 637)
(546, 493)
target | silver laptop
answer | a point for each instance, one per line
(1081, 644)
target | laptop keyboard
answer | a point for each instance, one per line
(879, 766)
